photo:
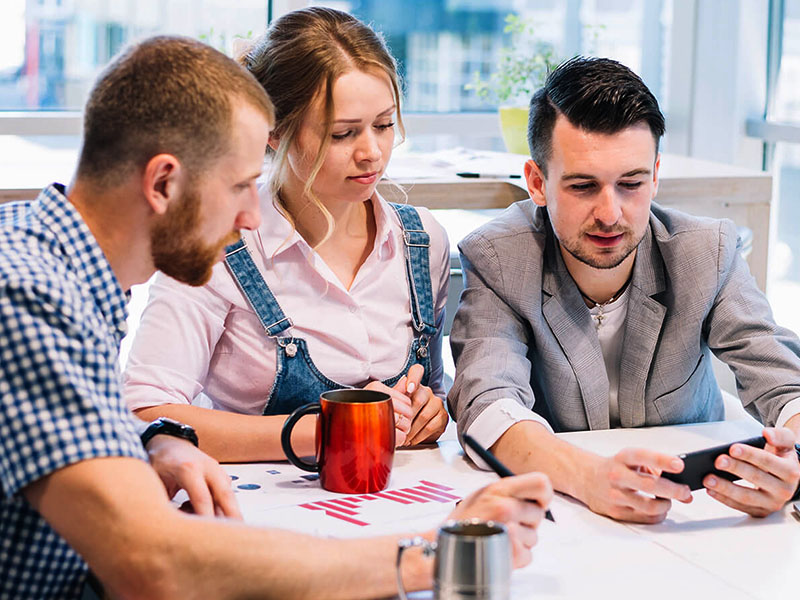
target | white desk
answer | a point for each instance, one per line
(702, 550)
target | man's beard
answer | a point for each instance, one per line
(602, 261)
(176, 248)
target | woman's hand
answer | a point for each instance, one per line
(419, 415)
(403, 414)
(429, 417)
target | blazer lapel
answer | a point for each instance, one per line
(569, 320)
(642, 328)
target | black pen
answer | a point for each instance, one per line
(496, 465)
(468, 175)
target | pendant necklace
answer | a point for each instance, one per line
(600, 306)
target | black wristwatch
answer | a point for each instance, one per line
(166, 426)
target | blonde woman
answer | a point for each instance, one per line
(336, 288)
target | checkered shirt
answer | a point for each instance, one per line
(62, 316)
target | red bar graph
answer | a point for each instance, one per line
(348, 508)
(393, 498)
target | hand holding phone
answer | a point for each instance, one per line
(696, 465)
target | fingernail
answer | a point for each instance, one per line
(736, 451)
(676, 464)
(411, 387)
(724, 462)
(712, 481)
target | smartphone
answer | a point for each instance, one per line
(696, 465)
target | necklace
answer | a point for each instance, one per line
(600, 306)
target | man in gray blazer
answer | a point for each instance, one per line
(589, 307)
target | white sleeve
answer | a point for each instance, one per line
(789, 410)
(495, 420)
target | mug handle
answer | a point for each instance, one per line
(286, 436)
(428, 549)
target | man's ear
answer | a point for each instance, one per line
(536, 182)
(162, 181)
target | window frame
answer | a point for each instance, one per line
(479, 124)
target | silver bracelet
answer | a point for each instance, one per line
(403, 544)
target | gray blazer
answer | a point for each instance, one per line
(522, 330)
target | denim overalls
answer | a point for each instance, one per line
(297, 379)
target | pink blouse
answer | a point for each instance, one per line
(208, 339)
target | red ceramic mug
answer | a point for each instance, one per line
(355, 440)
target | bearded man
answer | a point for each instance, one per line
(174, 140)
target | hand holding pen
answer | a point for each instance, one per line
(495, 464)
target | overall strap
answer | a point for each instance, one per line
(416, 242)
(255, 289)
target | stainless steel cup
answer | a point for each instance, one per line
(473, 560)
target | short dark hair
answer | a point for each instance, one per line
(166, 94)
(598, 95)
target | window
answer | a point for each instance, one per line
(787, 93)
(51, 50)
(783, 152)
(440, 44)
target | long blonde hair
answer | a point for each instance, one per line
(300, 56)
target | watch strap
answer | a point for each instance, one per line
(166, 426)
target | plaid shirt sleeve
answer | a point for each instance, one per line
(59, 390)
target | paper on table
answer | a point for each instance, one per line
(417, 166)
(285, 497)
(447, 163)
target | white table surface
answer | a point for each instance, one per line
(702, 550)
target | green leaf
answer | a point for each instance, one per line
(522, 66)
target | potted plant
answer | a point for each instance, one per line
(522, 68)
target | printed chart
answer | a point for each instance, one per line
(354, 509)
(277, 495)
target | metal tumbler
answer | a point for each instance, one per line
(473, 561)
